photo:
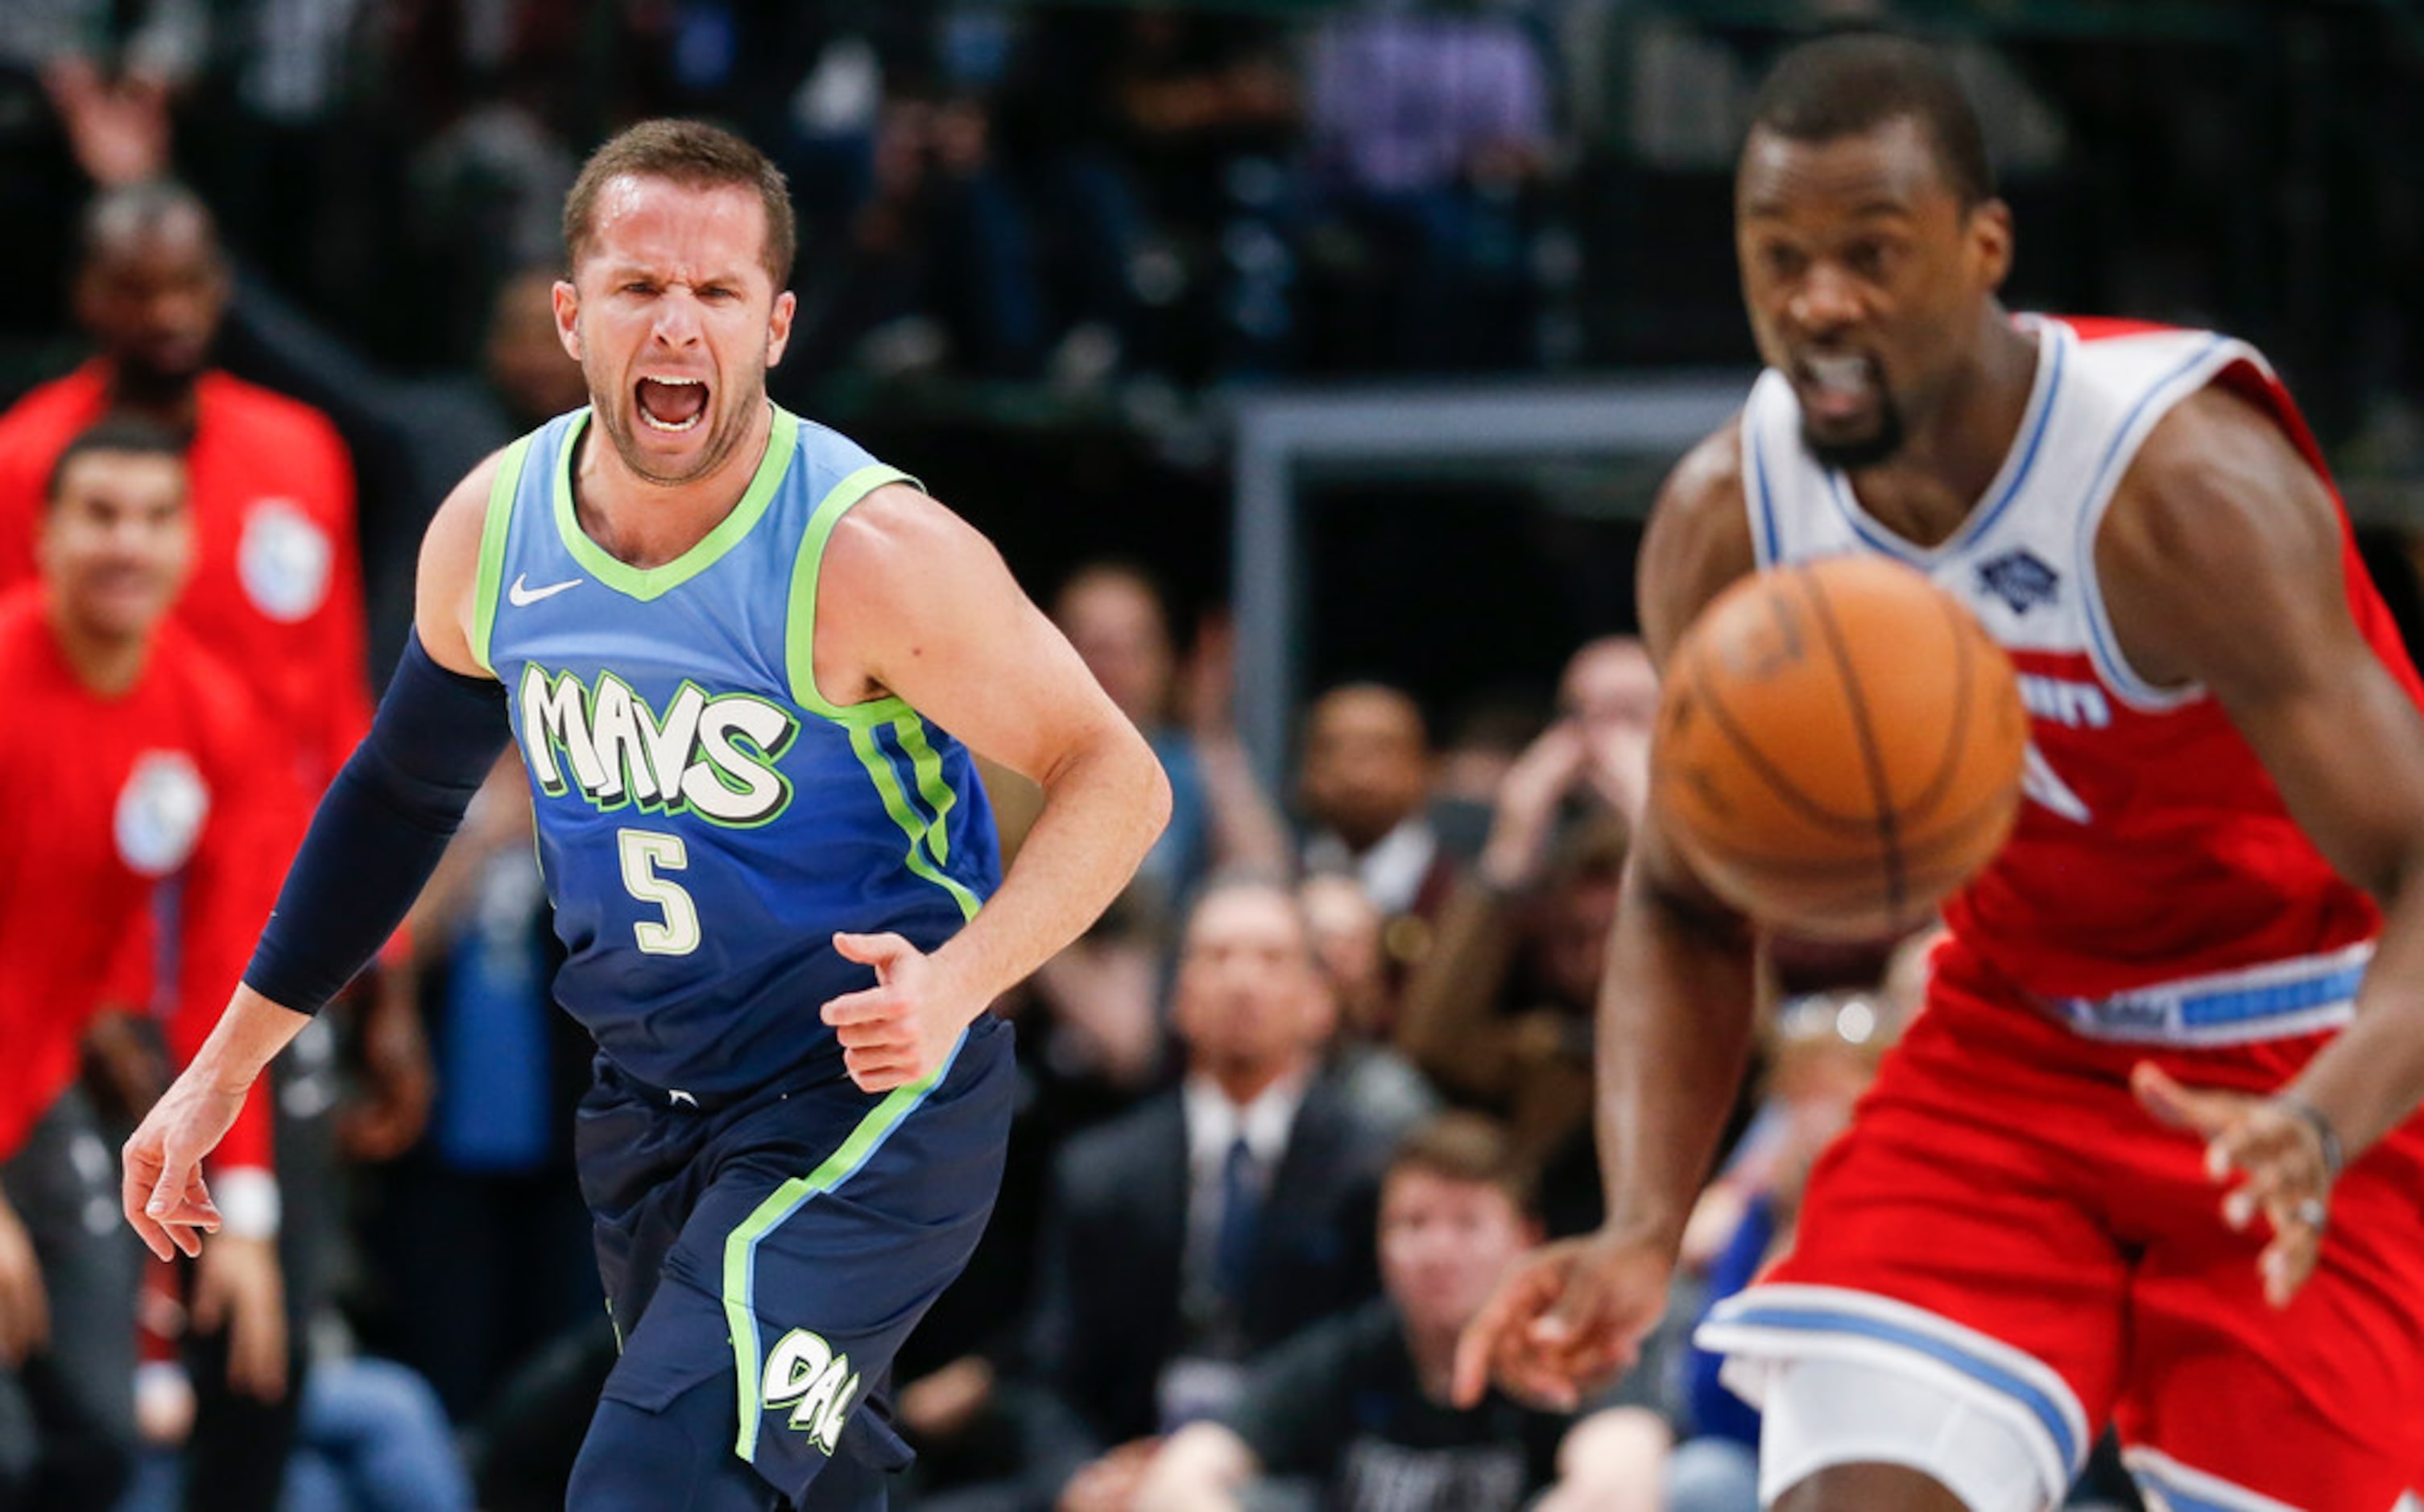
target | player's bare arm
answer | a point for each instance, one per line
(2223, 566)
(1675, 1018)
(446, 580)
(914, 602)
(1679, 980)
(165, 1195)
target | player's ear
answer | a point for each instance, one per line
(778, 326)
(1990, 243)
(567, 316)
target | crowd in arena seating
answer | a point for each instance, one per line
(1288, 1109)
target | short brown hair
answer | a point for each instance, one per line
(1469, 1148)
(695, 155)
(117, 434)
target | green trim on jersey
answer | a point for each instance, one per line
(930, 845)
(930, 786)
(741, 1245)
(800, 639)
(927, 845)
(646, 583)
(494, 528)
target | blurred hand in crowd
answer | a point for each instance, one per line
(25, 1307)
(1109, 1482)
(118, 128)
(1610, 690)
(1552, 766)
(239, 1287)
(937, 1407)
(129, 1071)
(390, 1106)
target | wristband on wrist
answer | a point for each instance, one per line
(247, 1201)
(2335, 1154)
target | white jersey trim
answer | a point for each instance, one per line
(2299, 995)
(2193, 372)
(2054, 342)
(2023, 559)
(2172, 1486)
(1765, 1326)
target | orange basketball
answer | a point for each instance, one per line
(1839, 747)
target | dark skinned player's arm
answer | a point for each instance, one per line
(2223, 563)
(1677, 1004)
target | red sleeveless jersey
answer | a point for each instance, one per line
(2153, 852)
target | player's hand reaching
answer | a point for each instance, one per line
(163, 1190)
(1566, 1321)
(898, 1031)
(2279, 1150)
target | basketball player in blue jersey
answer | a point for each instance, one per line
(741, 658)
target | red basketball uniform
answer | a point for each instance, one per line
(2003, 1217)
(277, 587)
(101, 799)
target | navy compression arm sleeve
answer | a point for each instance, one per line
(380, 830)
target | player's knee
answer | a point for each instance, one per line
(1841, 1435)
(676, 1459)
(1868, 1487)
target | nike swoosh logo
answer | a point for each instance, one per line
(522, 594)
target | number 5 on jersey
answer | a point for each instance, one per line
(645, 854)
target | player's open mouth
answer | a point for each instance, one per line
(671, 405)
(1838, 386)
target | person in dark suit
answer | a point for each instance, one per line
(1214, 1219)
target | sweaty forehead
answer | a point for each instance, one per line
(672, 228)
(1894, 168)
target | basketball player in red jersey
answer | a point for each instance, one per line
(2142, 1161)
(129, 755)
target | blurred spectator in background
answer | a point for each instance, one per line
(1609, 691)
(484, 193)
(1358, 1406)
(371, 1438)
(277, 585)
(1118, 618)
(1485, 737)
(1373, 1078)
(1499, 1015)
(1429, 134)
(413, 436)
(1346, 929)
(1157, 144)
(277, 592)
(136, 762)
(1363, 781)
(935, 269)
(1214, 1221)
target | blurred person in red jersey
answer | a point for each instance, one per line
(134, 758)
(276, 592)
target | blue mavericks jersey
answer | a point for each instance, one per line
(705, 818)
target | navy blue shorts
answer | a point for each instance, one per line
(788, 1243)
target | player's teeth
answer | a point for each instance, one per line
(1840, 373)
